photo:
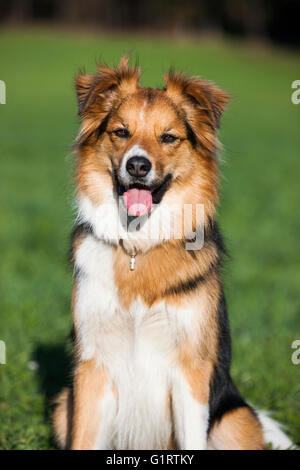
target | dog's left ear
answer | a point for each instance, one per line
(201, 93)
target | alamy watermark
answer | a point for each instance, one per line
(296, 354)
(2, 352)
(295, 97)
(163, 222)
(2, 92)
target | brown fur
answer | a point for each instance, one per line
(158, 270)
(238, 429)
(88, 388)
(198, 375)
(62, 418)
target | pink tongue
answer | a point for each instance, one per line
(138, 201)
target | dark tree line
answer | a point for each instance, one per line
(276, 20)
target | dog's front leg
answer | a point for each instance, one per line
(190, 406)
(94, 408)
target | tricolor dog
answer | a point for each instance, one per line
(152, 341)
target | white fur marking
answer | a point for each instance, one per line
(107, 405)
(190, 417)
(273, 433)
(105, 221)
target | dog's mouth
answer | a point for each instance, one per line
(139, 198)
(138, 202)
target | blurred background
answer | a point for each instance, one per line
(251, 49)
(271, 20)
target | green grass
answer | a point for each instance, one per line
(259, 214)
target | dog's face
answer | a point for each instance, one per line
(148, 145)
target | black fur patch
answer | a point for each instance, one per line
(213, 234)
(185, 287)
(191, 136)
(158, 193)
(72, 335)
(81, 229)
(78, 230)
(150, 95)
(224, 396)
(103, 126)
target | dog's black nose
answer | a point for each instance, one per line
(138, 166)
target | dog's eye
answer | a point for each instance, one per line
(123, 133)
(168, 138)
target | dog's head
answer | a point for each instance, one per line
(146, 145)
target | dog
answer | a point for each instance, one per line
(152, 340)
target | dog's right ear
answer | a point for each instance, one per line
(83, 86)
(98, 94)
(108, 83)
(95, 93)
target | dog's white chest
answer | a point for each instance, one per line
(135, 345)
(99, 314)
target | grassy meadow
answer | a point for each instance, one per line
(259, 213)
